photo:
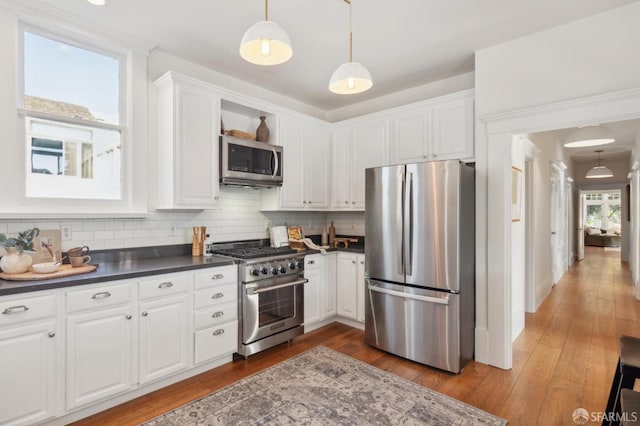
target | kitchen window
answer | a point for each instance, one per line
(73, 107)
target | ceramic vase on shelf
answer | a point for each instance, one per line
(14, 262)
(262, 132)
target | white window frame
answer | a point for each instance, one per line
(604, 202)
(72, 205)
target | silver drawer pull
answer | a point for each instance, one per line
(101, 295)
(311, 262)
(217, 314)
(15, 310)
(218, 296)
(217, 277)
(168, 284)
(218, 332)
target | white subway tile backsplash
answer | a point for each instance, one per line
(237, 218)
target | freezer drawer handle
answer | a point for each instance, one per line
(409, 296)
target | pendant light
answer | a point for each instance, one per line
(590, 135)
(350, 77)
(599, 171)
(266, 43)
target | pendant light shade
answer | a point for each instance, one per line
(266, 43)
(599, 171)
(351, 77)
(590, 135)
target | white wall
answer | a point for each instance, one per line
(587, 57)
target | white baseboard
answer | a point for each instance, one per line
(350, 322)
(542, 291)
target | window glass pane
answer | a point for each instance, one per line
(65, 80)
(594, 216)
(614, 214)
(72, 167)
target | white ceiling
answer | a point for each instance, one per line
(403, 43)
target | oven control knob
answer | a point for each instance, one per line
(298, 263)
(292, 265)
(264, 270)
(282, 269)
(255, 272)
(274, 271)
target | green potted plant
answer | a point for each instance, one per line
(18, 251)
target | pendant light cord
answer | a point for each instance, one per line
(350, 32)
(266, 10)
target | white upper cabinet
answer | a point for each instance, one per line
(306, 155)
(438, 129)
(356, 148)
(188, 128)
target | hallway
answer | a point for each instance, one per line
(566, 356)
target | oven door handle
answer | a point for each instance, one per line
(254, 290)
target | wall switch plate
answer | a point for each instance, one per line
(65, 230)
(172, 229)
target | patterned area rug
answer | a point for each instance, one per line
(325, 387)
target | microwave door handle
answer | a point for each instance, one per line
(276, 164)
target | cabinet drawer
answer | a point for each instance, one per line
(99, 297)
(27, 309)
(216, 276)
(215, 341)
(217, 314)
(163, 286)
(313, 261)
(215, 296)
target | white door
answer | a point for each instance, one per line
(312, 295)
(370, 147)
(164, 337)
(580, 228)
(100, 355)
(329, 286)
(29, 384)
(291, 137)
(317, 152)
(341, 170)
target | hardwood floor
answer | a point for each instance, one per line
(563, 360)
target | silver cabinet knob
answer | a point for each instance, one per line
(52, 334)
(216, 197)
(128, 316)
(144, 314)
(346, 202)
(353, 261)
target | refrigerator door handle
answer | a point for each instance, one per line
(408, 225)
(408, 295)
(400, 224)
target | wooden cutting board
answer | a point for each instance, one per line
(64, 271)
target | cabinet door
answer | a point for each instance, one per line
(453, 129)
(346, 286)
(317, 151)
(291, 137)
(312, 294)
(360, 286)
(410, 137)
(341, 170)
(329, 286)
(196, 150)
(370, 146)
(164, 337)
(28, 362)
(101, 355)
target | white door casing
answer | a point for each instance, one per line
(493, 161)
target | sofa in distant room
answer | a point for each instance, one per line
(596, 237)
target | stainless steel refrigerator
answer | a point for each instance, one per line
(420, 262)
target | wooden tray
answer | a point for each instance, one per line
(64, 271)
(241, 134)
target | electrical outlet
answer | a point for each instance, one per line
(172, 229)
(65, 230)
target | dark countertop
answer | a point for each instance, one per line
(353, 247)
(123, 265)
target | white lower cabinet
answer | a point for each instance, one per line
(101, 354)
(30, 349)
(350, 285)
(320, 291)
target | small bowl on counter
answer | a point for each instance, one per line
(45, 268)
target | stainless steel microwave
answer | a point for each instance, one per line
(249, 163)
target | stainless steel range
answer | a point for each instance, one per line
(271, 295)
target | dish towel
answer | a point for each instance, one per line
(311, 245)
